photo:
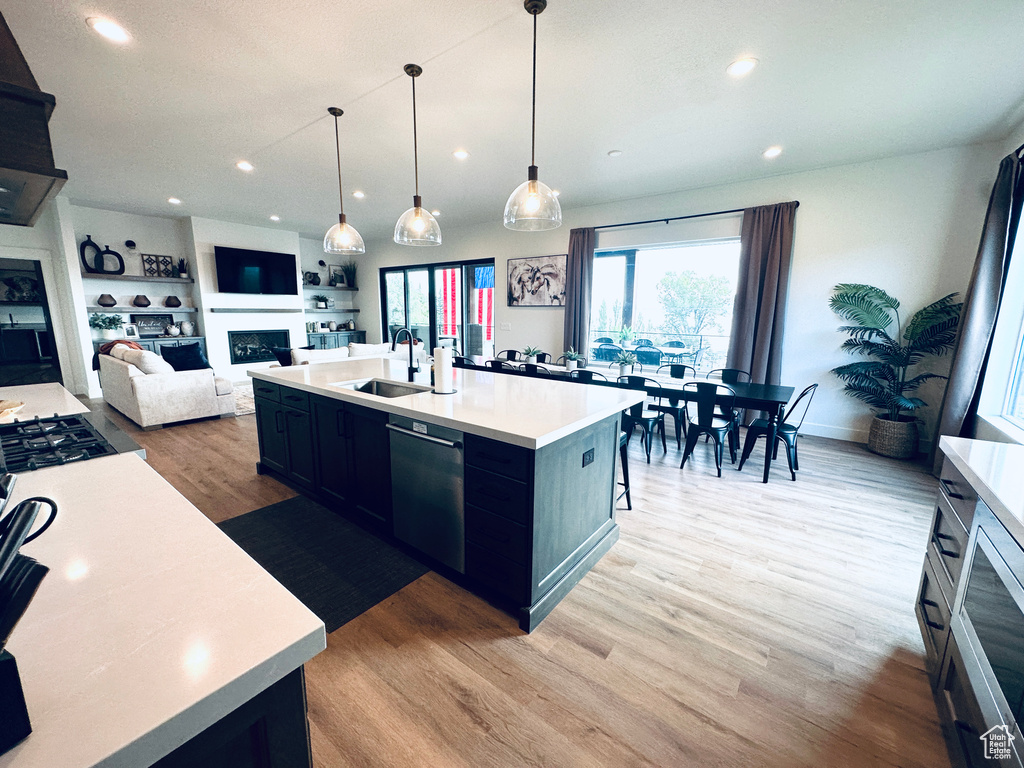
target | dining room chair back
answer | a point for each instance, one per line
(649, 356)
(500, 365)
(543, 357)
(458, 361)
(706, 398)
(607, 352)
(787, 433)
(604, 340)
(678, 370)
(508, 354)
(534, 370)
(644, 414)
(729, 375)
(644, 343)
(586, 376)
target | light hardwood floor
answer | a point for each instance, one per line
(734, 624)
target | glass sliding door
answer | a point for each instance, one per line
(418, 301)
(479, 281)
(448, 307)
(394, 301)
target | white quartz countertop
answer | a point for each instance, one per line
(520, 410)
(41, 400)
(996, 470)
(150, 626)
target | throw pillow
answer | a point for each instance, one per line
(185, 357)
(284, 354)
(146, 361)
(365, 350)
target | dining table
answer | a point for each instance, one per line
(769, 398)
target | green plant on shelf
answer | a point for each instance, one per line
(105, 322)
(320, 300)
(348, 269)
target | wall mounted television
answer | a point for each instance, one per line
(244, 271)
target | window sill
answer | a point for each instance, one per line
(998, 429)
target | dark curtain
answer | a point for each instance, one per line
(579, 277)
(759, 312)
(981, 307)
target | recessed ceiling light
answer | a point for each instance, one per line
(244, 165)
(359, 194)
(275, 218)
(109, 29)
(435, 213)
(173, 201)
(771, 153)
(741, 67)
(460, 154)
(615, 153)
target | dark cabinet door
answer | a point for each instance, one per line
(19, 345)
(271, 431)
(370, 463)
(299, 441)
(331, 427)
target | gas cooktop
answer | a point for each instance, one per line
(48, 442)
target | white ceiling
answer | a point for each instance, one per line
(203, 84)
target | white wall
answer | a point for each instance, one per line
(907, 224)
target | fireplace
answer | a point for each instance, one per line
(255, 346)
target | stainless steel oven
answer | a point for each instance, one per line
(989, 631)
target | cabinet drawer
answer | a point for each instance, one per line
(958, 492)
(497, 533)
(266, 390)
(509, 460)
(495, 493)
(933, 615)
(294, 398)
(497, 572)
(964, 721)
(947, 547)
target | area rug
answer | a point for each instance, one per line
(245, 403)
(333, 566)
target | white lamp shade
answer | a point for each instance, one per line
(533, 207)
(417, 227)
(343, 239)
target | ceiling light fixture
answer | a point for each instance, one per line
(173, 201)
(460, 154)
(342, 238)
(771, 153)
(359, 194)
(244, 165)
(416, 226)
(741, 67)
(109, 29)
(615, 153)
(275, 217)
(532, 207)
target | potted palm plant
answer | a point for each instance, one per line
(572, 359)
(883, 381)
(626, 361)
(530, 353)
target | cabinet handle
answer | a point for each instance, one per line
(947, 486)
(483, 489)
(340, 423)
(965, 727)
(279, 420)
(293, 398)
(938, 538)
(924, 610)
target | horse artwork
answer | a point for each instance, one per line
(537, 282)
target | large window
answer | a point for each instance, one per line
(442, 304)
(677, 298)
(1014, 408)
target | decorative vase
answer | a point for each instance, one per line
(171, 330)
(110, 334)
(141, 301)
(188, 328)
(531, 359)
(624, 369)
(172, 301)
(895, 439)
(321, 305)
(106, 300)
(570, 365)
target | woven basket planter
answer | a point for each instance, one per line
(895, 439)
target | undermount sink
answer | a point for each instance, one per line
(384, 388)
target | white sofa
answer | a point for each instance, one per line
(154, 399)
(311, 356)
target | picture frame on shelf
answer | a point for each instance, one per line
(336, 276)
(130, 330)
(156, 266)
(151, 325)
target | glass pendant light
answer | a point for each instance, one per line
(533, 206)
(416, 226)
(342, 238)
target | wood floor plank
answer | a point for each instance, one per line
(733, 624)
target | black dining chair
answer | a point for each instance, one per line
(644, 343)
(787, 432)
(678, 348)
(729, 375)
(543, 357)
(500, 365)
(607, 352)
(508, 354)
(458, 361)
(604, 340)
(649, 356)
(586, 376)
(624, 459)
(534, 370)
(706, 396)
(642, 414)
(674, 408)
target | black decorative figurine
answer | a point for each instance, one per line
(99, 258)
(106, 300)
(172, 301)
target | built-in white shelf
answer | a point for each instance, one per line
(143, 310)
(334, 311)
(136, 278)
(329, 288)
(252, 310)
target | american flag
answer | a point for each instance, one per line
(483, 279)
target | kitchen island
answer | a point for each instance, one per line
(154, 639)
(521, 506)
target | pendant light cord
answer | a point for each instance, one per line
(533, 119)
(337, 147)
(415, 140)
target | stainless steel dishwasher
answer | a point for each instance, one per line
(427, 489)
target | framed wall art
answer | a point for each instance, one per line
(151, 325)
(537, 282)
